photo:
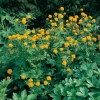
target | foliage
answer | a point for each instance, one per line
(37, 59)
(3, 88)
(41, 8)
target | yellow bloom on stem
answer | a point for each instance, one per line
(23, 77)
(33, 45)
(8, 77)
(30, 84)
(30, 80)
(48, 78)
(33, 31)
(93, 20)
(61, 49)
(62, 8)
(60, 16)
(53, 24)
(81, 9)
(11, 51)
(88, 37)
(56, 19)
(83, 39)
(25, 43)
(68, 69)
(88, 25)
(70, 18)
(47, 32)
(10, 45)
(37, 83)
(24, 21)
(55, 14)
(16, 20)
(64, 63)
(94, 39)
(66, 44)
(9, 71)
(68, 24)
(80, 21)
(41, 47)
(45, 82)
(55, 51)
(74, 56)
(49, 16)
(29, 16)
(74, 19)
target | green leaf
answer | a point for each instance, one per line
(23, 94)
(31, 97)
(84, 91)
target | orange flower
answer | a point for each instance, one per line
(9, 71)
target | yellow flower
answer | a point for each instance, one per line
(11, 51)
(19, 38)
(81, 9)
(10, 37)
(45, 82)
(90, 17)
(68, 38)
(37, 83)
(29, 16)
(83, 39)
(46, 46)
(25, 43)
(64, 63)
(24, 21)
(83, 14)
(76, 16)
(10, 45)
(85, 29)
(66, 44)
(30, 80)
(33, 45)
(80, 21)
(55, 14)
(47, 32)
(68, 69)
(60, 27)
(56, 19)
(94, 39)
(62, 8)
(55, 51)
(68, 24)
(74, 31)
(61, 49)
(74, 19)
(8, 77)
(41, 47)
(93, 20)
(49, 16)
(81, 33)
(9, 71)
(88, 37)
(33, 31)
(53, 24)
(60, 16)
(48, 78)
(88, 25)
(30, 84)
(16, 20)
(74, 56)
(70, 18)
(23, 77)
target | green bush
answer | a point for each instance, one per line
(37, 59)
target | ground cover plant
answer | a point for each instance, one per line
(59, 62)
